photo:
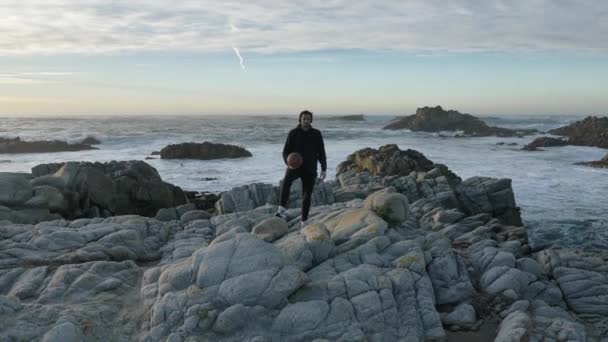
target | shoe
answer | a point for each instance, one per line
(303, 224)
(281, 215)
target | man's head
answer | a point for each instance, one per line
(305, 119)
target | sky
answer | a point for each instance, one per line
(483, 57)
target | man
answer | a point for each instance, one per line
(308, 142)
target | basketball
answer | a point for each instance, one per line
(294, 160)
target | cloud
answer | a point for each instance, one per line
(33, 77)
(41, 27)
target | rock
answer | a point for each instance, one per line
(501, 278)
(591, 131)
(435, 119)
(463, 316)
(51, 198)
(514, 327)
(356, 117)
(361, 223)
(319, 242)
(390, 205)
(16, 145)
(602, 163)
(15, 189)
(45, 169)
(204, 151)
(194, 215)
(125, 187)
(270, 229)
(389, 160)
(246, 197)
(167, 214)
(489, 195)
(544, 142)
(184, 208)
(64, 332)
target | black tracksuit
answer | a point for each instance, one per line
(310, 145)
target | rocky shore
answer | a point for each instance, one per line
(391, 254)
(436, 119)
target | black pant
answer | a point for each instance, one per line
(308, 183)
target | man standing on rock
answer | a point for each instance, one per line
(308, 142)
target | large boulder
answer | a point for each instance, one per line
(435, 119)
(591, 131)
(390, 205)
(545, 142)
(15, 189)
(389, 160)
(204, 151)
(16, 145)
(104, 189)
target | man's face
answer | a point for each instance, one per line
(306, 121)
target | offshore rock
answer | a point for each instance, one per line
(591, 131)
(435, 119)
(16, 145)
(204, 151)
(545, 142)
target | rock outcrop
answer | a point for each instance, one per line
(602, 163)
(348, 276)
(16, 145)
(591, 131)
(545, 142)
(435, 119)
(204, 151)
(84, 189)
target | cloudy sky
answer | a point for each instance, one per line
(89, 57)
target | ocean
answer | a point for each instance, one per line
(561, 203)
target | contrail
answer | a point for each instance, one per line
(239, 56)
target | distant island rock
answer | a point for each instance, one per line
(602, 163)
(591, 131)
(204, 151)
(357, 117)
(545, 142)
(435, 119)
(16, 145)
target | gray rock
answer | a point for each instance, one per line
(270, 229)
(167, 214)
(184, 208)
(390, 205)
(231, 319)
(194, 215)
(15, 189)
(514, 327)
(463, 315)
(66, 331)
(501, 278)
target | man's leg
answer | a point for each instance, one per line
(308, 183)
(290, 176)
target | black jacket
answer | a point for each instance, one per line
(309, 144)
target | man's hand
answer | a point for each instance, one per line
(322, 175)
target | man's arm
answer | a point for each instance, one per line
(288, 148)
(321, 154)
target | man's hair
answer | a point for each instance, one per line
(305, 112)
